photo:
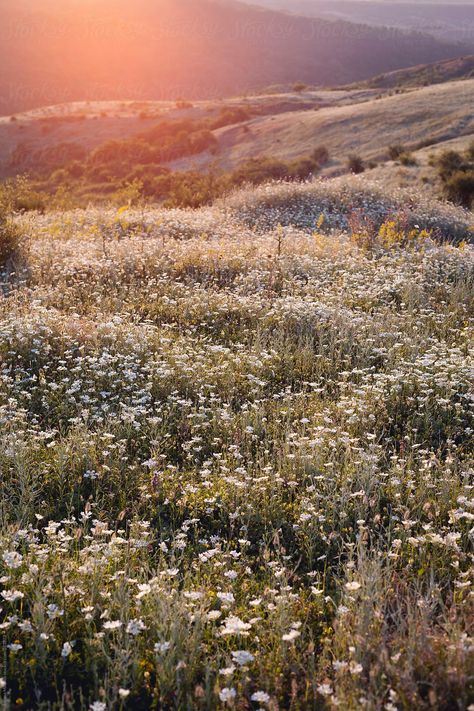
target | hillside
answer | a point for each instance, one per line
(449, 21)
(421, 172)
(430, 114)
(161, 49)
(27, 138)
(94, 148)
(425, 74)
(237, 455)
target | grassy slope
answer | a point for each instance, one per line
(422, 174)
(344, 121)
(437, 113)
(438, 72)
(91, 123)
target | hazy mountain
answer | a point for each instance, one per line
(57, 51)
(449, 21)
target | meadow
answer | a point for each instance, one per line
(236, 454)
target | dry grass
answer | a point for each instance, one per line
(237, 464)
(437, 112)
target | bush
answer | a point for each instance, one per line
(449, 162)
(10, 243)
(18, 195)
(258, 170)
(261, 170)
(407, 159)
(299, 86)
(395, 151)
(130, 194)
(229, 116)
(456, 172)
(355, 164)
(320, 155)
(190, 189)
(10, 237)
(302, 169)
(459, 188)
(182, 104)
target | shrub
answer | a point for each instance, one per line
(395, 151)
(10, 242)
(302, 169)
(448, 162)
(459, 188)
(456, 172)
(76, 169)
(130, 194)
(229, 116)
(407, 159)
(355, 164)
(260, 170)
(182, 104)
(19, 195)
(190, 189)
(320, 155)
(10, 236)
(299, 86)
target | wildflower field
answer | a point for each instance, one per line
(236, 455)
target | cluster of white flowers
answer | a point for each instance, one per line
(237, 463)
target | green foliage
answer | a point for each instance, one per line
(189, 189)
(9, 242)
(19, 195)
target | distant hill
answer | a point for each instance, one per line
(286, 127)
(449, 20)
(56, 51)
(425, 74)
(429, 115)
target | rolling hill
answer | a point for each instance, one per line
(424, 74)
(285, 126)
(161, 49)
(431, 114)
(445, 20)
(27, 137)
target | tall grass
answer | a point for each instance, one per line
(237, 463)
